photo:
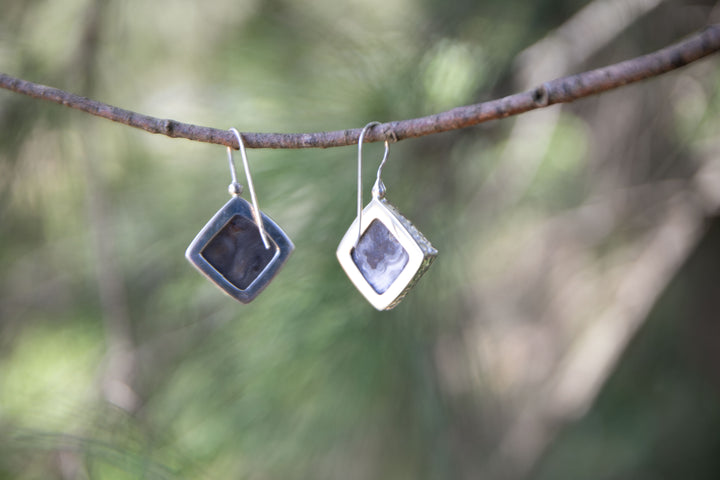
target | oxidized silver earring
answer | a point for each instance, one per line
(240, 249)
(382, 252)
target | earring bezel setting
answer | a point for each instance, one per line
(279, 241)
(420, 254)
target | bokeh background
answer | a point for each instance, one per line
(570, 327)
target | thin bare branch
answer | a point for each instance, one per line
(561, 90)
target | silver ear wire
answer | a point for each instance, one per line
(236, 189)
(378, 190)
(359, 192)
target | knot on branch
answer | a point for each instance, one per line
(389, 134)
(168, 127)
(541, 95)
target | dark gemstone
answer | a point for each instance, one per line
(238, 253)
(379, 257)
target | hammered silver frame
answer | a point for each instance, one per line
(420, 253)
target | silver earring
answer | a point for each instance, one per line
(240, 249)
(382, 253)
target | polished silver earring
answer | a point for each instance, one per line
(382, 253)
(240, 249)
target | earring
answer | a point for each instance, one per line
(382, 252)
(240, 249)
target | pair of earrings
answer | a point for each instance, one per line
(241, 249)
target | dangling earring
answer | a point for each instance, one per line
(382, 252)
(240, 249)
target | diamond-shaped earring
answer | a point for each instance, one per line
(240, 249)
(382, 253)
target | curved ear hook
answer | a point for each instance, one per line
(359, 175)
(235, 188)
(378, 190)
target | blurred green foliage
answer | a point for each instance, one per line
(97, 302)
(658, 414)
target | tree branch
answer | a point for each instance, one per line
(561, 90)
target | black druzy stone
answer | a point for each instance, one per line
(238, 253)
(379, 257)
